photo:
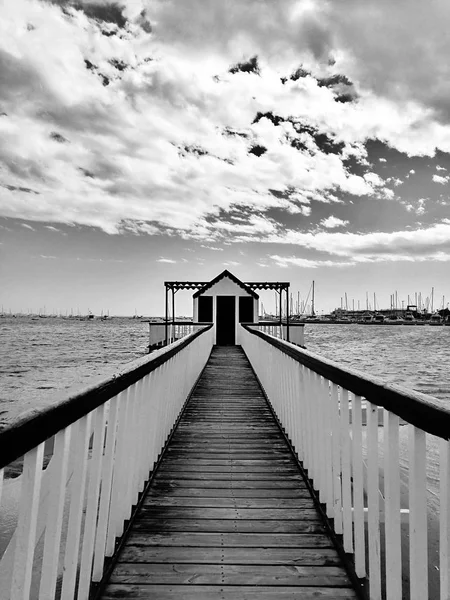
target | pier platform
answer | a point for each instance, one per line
(228, 514)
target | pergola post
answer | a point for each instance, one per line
(173, 314)
(167, 315)
(287, 314)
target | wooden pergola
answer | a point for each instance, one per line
(277, 286)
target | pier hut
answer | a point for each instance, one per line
(226, 302)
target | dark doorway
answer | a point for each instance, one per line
(225, 321)
(205, 309)
(245, 309)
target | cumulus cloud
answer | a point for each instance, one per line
(441, 180)
(166, 260)
(425, 243)
(332, 222)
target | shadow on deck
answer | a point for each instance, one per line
(228, 515)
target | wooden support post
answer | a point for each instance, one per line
(173, 314)
(287, 314)
(167, 316)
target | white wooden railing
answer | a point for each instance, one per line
(174, 331)
(347, 429)
(280, 331)
(103, 444)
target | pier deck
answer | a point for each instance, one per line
(228, 515)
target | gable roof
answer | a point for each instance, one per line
(233, 278)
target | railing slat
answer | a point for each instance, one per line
(87, 550)
(418, 537)
(27, 523)
(358, 487)
(55, 511)
(77, 492)
(392, 506)
(373, 502)
(320, 440)
(444, 524)
(328, 458)
(347, 517)
(105, 495)
(120, 464)
(336, 446)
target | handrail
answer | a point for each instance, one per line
(374, 475)
(421, 410)
(86, 461)
(37, 425)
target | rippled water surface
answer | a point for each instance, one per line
(410, 356)
(41, 356)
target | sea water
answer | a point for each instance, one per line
(41, 356)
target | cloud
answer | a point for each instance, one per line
(166, 260)
(382, 160)
(441, 180)
(286, 261)
(28, 226)
(439, 168)
(150, 125)
(332, 222)
(305, 263)
(231, 263)
(211, 248)
(422, 244)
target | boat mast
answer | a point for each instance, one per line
(312, 300)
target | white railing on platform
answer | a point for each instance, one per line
(174, 331)
(86, 460)
(280, 331)
(372, 452)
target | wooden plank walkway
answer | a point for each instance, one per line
(228, 515)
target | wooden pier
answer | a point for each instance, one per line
(228, 514)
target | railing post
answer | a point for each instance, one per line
(27, 523)
(78, 486)
(392, 506)
(373, 502)
(337, 447)
(346, 472)
(90, 524)
(53, 530)
(444, 531)
(418, 535)
(358, 487)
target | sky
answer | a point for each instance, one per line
(151, 140)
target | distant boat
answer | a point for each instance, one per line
(366, 319)
(435, 320)
(394, 320)
(378, 319)
(409, 319)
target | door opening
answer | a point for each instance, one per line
(226, 321)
